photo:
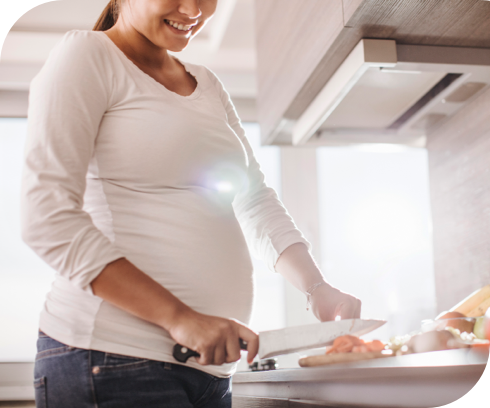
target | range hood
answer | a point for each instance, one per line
(390, 93)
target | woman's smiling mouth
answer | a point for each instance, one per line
(179, 26)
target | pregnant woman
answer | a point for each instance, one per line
(141, 190)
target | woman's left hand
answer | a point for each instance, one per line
(298, 266)
(328, 302)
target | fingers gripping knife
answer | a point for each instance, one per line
(283, 341)
(182, 354)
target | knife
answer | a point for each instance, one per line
(284, 341)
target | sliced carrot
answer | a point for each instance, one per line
(375, 345)
(360, 349)
(348, 343)
(345, 344)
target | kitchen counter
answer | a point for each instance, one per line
(417, 380)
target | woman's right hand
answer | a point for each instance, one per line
(216, 339)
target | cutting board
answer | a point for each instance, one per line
(326, 359)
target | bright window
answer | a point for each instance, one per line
(376, 232)
(24, 278)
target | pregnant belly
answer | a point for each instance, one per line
(194, 251)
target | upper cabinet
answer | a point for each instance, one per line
(434, 58)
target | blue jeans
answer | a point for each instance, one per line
(70, 377)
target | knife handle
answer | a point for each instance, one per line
(182, 354)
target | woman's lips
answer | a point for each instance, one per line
(176, 30)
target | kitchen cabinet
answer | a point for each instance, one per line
(300, 45)
(292, 37)
(417, 380)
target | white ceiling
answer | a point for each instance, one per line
(226, 44)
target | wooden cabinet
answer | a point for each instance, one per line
(300, 44)
(292, 37)
(459, 167)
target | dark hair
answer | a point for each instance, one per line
(108, 17)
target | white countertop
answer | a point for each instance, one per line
(416, 380)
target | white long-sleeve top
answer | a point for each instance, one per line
(119, 166)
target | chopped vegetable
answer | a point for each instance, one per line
(352, 344)
(398, 342)
(479, 328)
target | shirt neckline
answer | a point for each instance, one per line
(187, 67)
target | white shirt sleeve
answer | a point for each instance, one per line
(66, 104)
(266, 224)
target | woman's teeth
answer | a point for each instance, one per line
(178, 26)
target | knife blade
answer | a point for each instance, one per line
(284, 341)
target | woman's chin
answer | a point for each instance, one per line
(177, 48)
(174, 46)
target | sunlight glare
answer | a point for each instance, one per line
(385, 223)
(224, 186)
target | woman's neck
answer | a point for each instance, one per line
(138, 48)
(152, 60)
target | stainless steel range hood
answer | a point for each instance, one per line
(390, 93)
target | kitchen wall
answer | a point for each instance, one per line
(459, 162)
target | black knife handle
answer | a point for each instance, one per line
(182, 354)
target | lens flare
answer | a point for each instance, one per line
(224, 187)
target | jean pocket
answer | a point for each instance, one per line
(118, 362)
(56, 351)
(40, 392)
